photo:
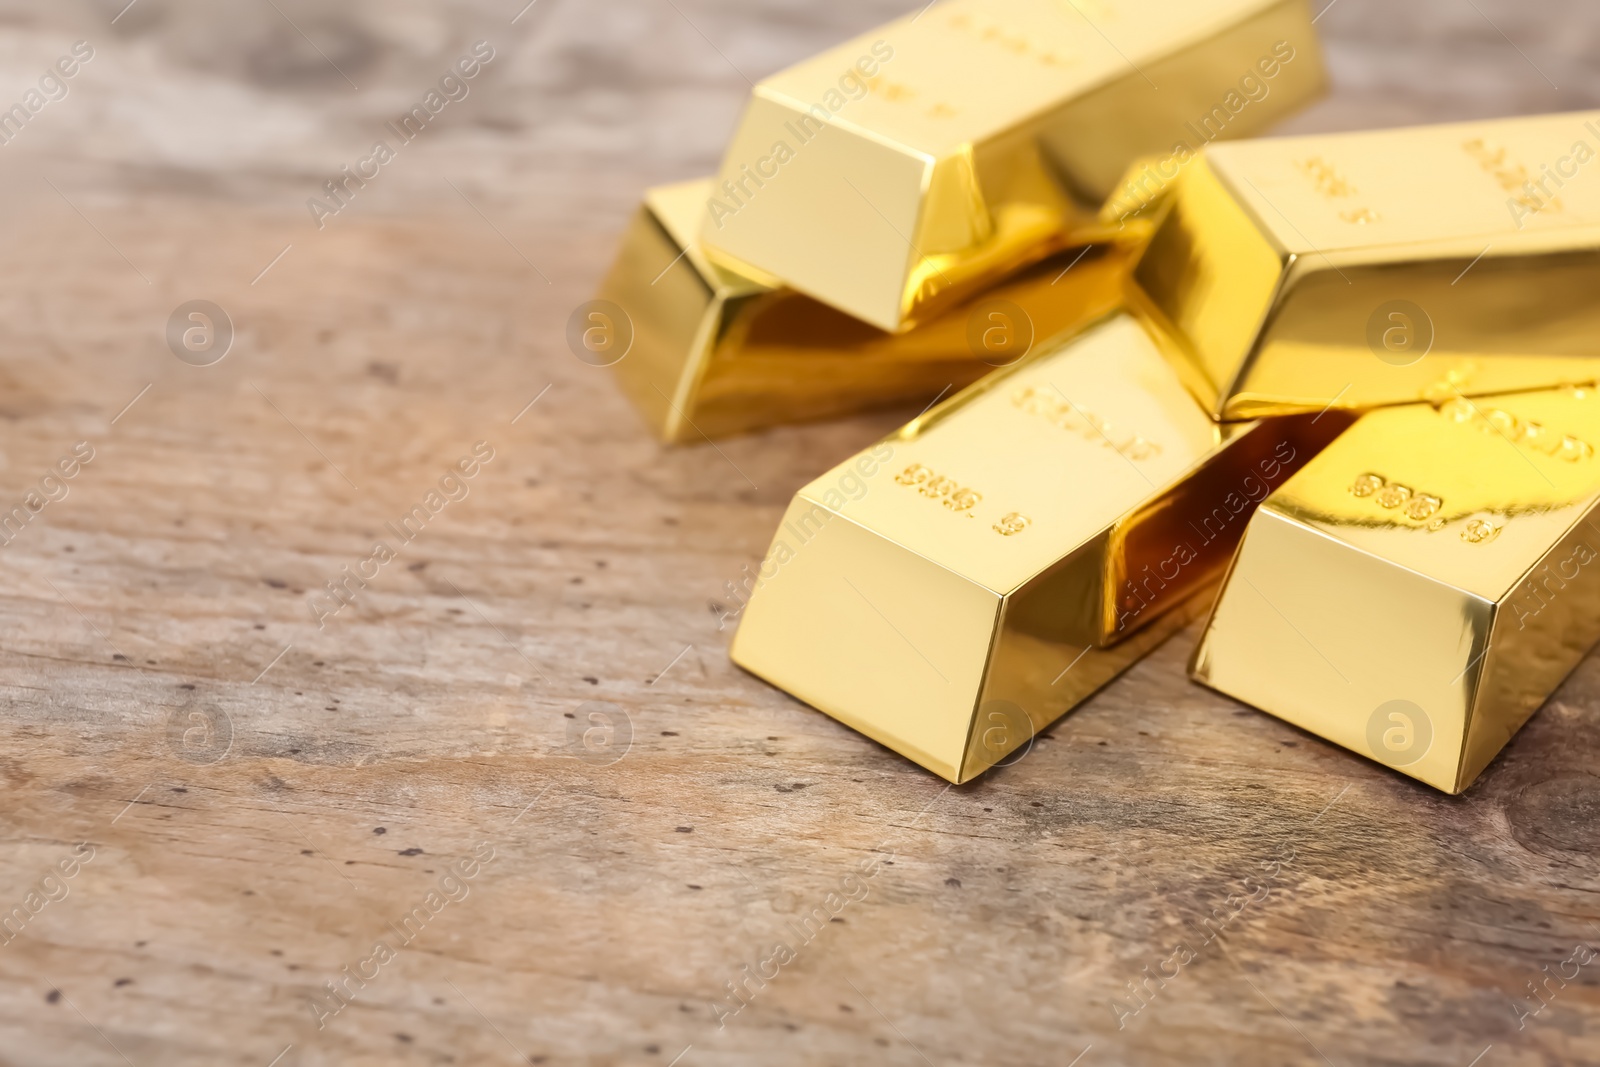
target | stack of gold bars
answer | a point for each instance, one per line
(1346, 374)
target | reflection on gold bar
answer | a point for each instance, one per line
(1365, 269)
(954, 589)
(902, 171)
(1418, 589)
(715, 352)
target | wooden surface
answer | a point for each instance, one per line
(264, 797)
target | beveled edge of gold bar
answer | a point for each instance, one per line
(1246, 311)
(675, 317)
(1264, 285)
(1099, 667)
(674, 206)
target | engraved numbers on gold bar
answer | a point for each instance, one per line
(1524, 432)
(1057, 409)
(938, 487)
(1012, 524)
(957, 498)
(1392, 495)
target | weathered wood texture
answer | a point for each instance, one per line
(264, 796)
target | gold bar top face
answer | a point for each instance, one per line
(1087, 435)
(1420, 588)
(965, 582)
(716, 352)
(902, 170)
(1366, 269)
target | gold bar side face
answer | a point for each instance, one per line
(676, 303)
(1420, 588)
(1365, 269)
(717, 352)
(902, 171)
(965, 582)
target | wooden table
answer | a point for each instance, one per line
(251, 791)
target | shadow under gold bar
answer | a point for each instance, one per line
(957, 587)
(1419, 589)
(714, 352)
(1362, 269)
(902, 171)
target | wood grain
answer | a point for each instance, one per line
(268, 794)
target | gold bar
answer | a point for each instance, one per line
(904, 170)
(1364, 269)
(708, 352)
(957, 587)
(1418, 589)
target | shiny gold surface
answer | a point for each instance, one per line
(965, 582)
(716, 352)
(1420, 587)
(1363, 269)
(899, 172)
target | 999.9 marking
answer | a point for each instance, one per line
(938, 487)
(956, 498)
(1420, 507)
